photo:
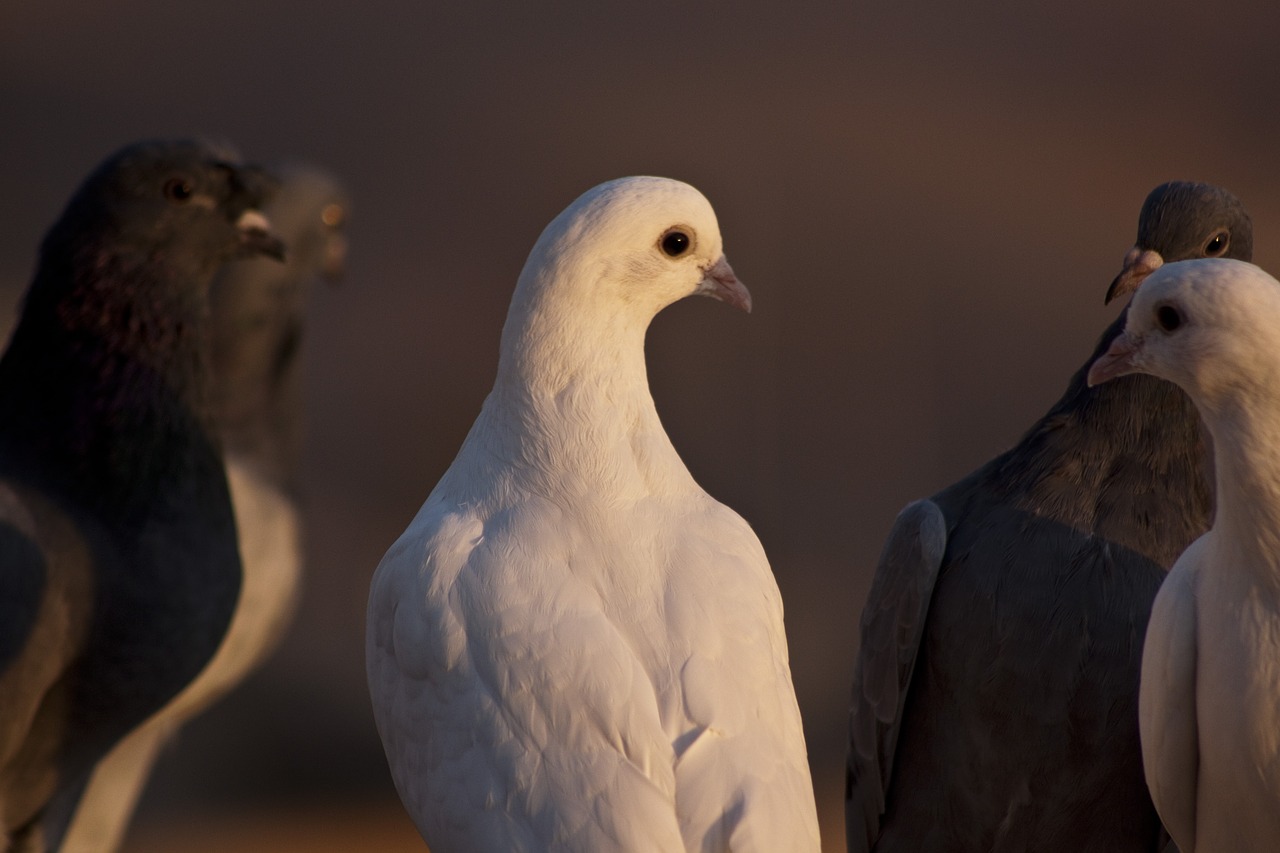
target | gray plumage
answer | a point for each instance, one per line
(118, 556)
(257, 323)
(995, 693)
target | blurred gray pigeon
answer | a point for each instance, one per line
(118, 562)
(1210, 698)
(995, 692)
(258, 312)
(573, 647)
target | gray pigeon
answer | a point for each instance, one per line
(1210, 700)
(118, 562)
(258, 313)
(995, 694)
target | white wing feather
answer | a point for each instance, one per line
(1167, 700)
(510, 707)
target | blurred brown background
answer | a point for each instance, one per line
(926, 199)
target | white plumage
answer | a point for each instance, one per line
(1209, 704)
(573, 647)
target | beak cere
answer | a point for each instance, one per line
(720, 282)
(1138, 264)
(256, 237)
(1118, 360)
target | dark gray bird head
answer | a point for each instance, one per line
(132, 255)
(184, 204)
(124, 272)
(1182, 220)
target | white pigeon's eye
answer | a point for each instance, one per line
(1217, 244)
(178, 190)
(675, 243)
(1168, 318)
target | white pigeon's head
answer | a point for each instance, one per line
(630, 246)
(1211, 326)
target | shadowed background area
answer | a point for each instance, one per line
(927, 201)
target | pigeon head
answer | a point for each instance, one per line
(187, 205)
(1207, 325)
(1180, 221)
(126, 268)
(258, 317)
(324, 210)
(628, 248)
(310, 210)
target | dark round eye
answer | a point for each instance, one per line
(177, 190)
(1168, 317)
(675, 243)
(1217, 244)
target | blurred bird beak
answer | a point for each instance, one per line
(1118, 360)
(256, 237)
(1138, 264)
(333, 265)
(719, 282)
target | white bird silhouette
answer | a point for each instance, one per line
(573, 647)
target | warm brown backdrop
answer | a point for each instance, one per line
(927, 200)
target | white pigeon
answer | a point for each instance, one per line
(1209, 703)
(573, 647)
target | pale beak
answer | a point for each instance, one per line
(256, 237)
(1138, 264)
(719, 282)
(1118, 360)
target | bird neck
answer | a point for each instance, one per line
(1105, 458)
(1247, 462)
(102, 382)
(571, 410)
(257, 336)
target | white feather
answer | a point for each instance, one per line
(1209, 705)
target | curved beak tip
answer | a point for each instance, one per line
(720, 282)
(1117, 361)
(1138, 264)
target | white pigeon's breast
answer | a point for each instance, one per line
(530, 665)
(1238, 711)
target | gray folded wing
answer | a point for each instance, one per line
(892, 624)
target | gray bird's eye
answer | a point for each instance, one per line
(675, 243)
(177, 190)
(1217, 244)
(1168, 318)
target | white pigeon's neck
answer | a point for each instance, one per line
(571, 411)
(1247, 463)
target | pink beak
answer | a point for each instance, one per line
(1138, 264)
(719, 282)
(1118, 360)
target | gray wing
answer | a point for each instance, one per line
(892, 624)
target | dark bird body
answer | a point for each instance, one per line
(118, 557)
(995, 694)
(257, 321)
